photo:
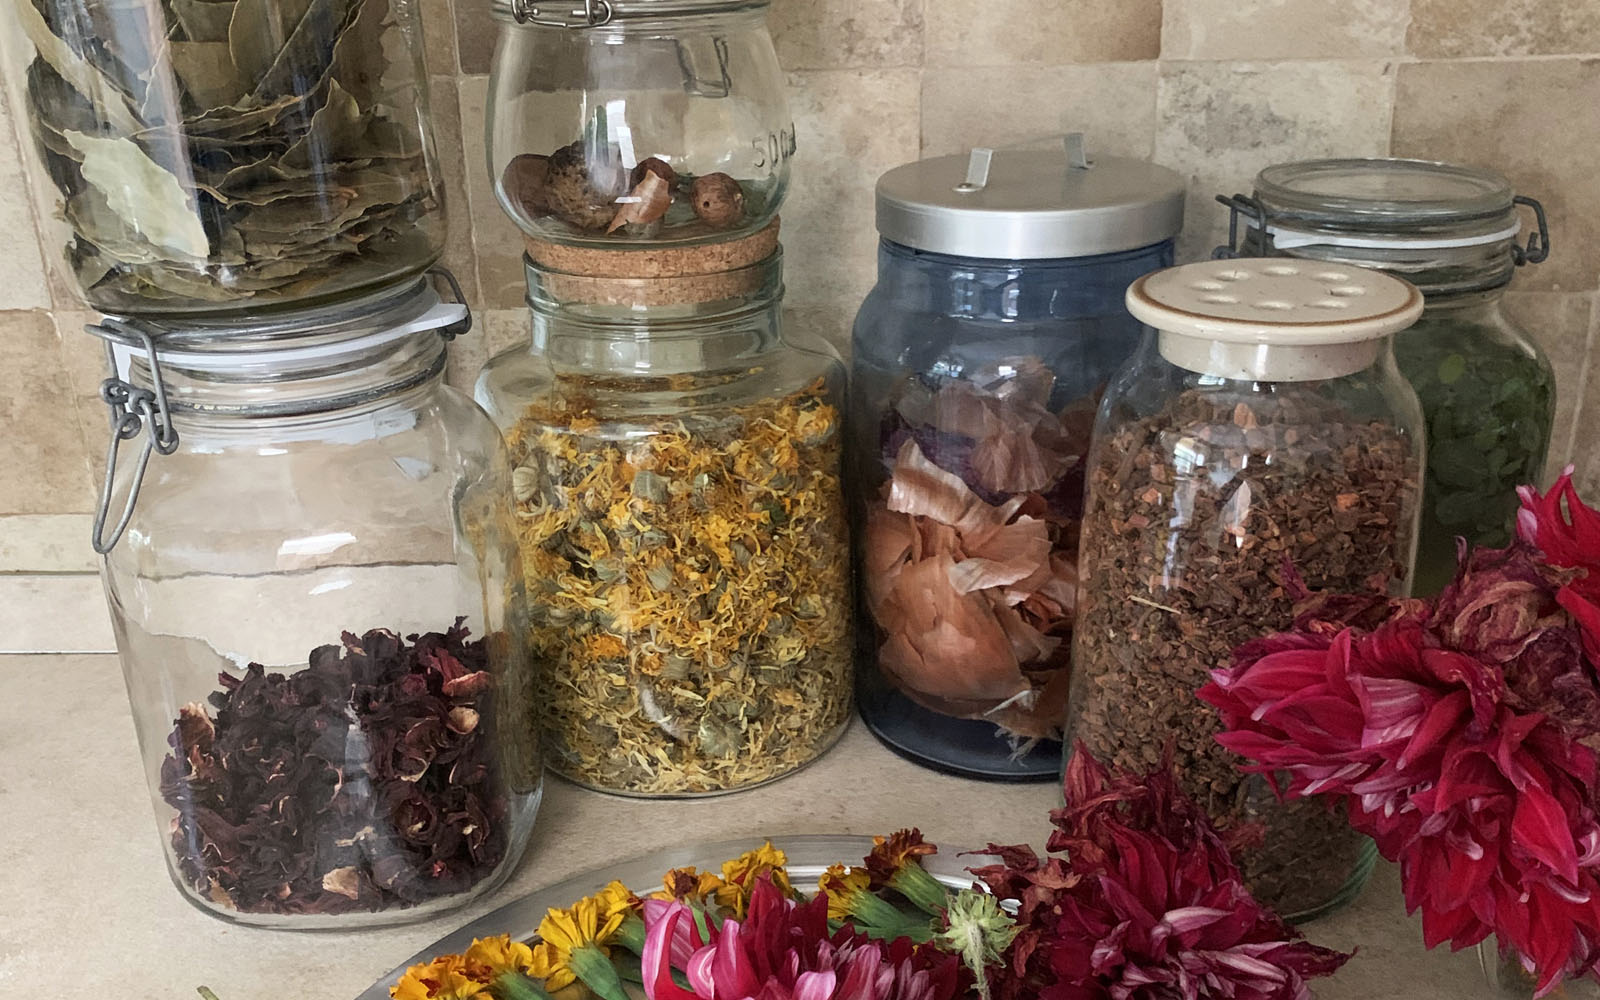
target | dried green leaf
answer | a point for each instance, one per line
(203, 20)
(208, 74)
(260, 30)
(109, 101)
(358, 59)
(307, 52)
(147, 197)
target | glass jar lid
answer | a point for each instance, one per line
(595, 13)
(1273, 319)
(1386, 202)
(1029, 204)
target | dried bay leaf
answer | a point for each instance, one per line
(110, 102)
(260, 30)
(358, 60)
(203, 20)
(308, 51)
(208, 74)
(336, 127)
(148, 198)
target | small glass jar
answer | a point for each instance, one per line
(639, 122)
(1486, 387)
(677, 475)
(318, 604)
(214, 158)
(979, 361)
(1261, 440)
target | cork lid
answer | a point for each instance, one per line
(1273, 319)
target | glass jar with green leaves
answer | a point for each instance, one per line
(1487, 390)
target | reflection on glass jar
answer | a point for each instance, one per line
(657, 122)
(1486, 387)
(318, 605)
(215, 157)
(1253, 448)
(679, 508)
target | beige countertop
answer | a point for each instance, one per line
(87, 911)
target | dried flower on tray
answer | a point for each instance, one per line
(229, 152)
(970, 555)
(688, 587)
(1145, 903)
(1193, 513)
(1460, 733)
(367, 781)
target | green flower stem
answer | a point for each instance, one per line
(926, 894)
(631, 934)
(206, 994)
(980, 932)
(594, 967)
(516, 986)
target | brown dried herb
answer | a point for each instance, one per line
(688, 582)
(1194, 516)
(367, 781)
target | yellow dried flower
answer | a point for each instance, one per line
(740, 875)
(842, 885)
(444, 978)
(489, 957)
(592, 920)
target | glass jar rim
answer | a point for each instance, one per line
(583, 14)
(1388, 195)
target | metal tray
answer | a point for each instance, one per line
(809, 857)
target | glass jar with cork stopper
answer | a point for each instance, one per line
(681, 519)
(638, 122)
(1260, 443)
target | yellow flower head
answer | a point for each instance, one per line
(489, 957)
(591, 921)
(842, 886)
(740, 875)
(689, 885)
(443, 978)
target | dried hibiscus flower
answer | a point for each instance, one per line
(1460, 732)
(366, 781)
(971, 548)
(1145, 903)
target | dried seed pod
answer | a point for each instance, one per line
(525, 185)
(718, 200)
(572, 192)
(654, 165)
(647, 203)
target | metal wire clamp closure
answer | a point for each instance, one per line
(133, 410)
(463, 327)
(592, 14)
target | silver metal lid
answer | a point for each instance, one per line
(598, 13)
(1029, 204)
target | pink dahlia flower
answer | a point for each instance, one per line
(783, 951)
(1146, 904)
(1458, 732)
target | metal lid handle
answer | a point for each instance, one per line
(133, 410)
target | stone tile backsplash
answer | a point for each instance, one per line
(1215, 89)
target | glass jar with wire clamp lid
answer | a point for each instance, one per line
(211, 158)
(314, 584)
(1486, 386)
(638, 122)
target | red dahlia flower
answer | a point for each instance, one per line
(1459, 734)
(1146, 905)
(783, 951)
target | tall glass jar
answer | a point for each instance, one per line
(218, 157)
(318, 604)
(979, 361)
(648, 122)
(1486, 387)
(677, 475)
(1260, 442)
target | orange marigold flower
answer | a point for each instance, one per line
(894, 852)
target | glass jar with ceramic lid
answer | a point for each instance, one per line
(979, 360)
(1486, 386)
(638, 122)
(219, 157)
(1262, 441)
(315, 589)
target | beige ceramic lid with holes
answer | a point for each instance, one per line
(1273, 319)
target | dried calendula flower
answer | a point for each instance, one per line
(688, 587)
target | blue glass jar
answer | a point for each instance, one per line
(979, 361)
